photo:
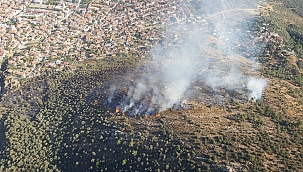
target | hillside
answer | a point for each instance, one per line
(63, 121)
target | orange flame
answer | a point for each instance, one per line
(117, 110)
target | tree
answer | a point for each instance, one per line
(124, 161)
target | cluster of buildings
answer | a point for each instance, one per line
(36, 36)
(41, 35)
(249, 43)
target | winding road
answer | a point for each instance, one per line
(231, 10)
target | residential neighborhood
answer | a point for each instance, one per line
(40, 35)
(151, 85)
(43, 35)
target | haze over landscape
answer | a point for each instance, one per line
(171, 70)
(131, 85)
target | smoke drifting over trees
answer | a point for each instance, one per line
(196, 52)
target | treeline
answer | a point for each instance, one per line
(296, 33)
(295, 5)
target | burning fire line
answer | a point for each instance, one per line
(118, 112)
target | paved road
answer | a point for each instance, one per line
(222, 12)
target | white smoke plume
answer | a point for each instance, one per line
(256, 87)
(111, 93)
(194, 53)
